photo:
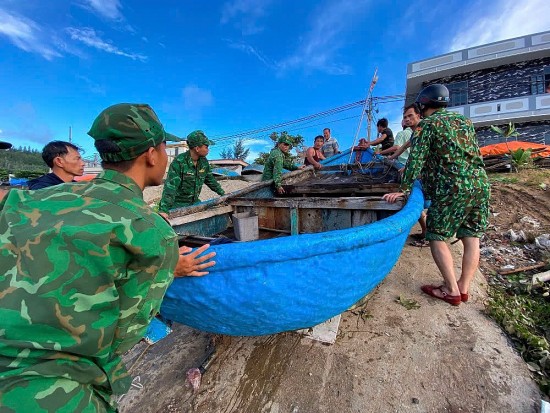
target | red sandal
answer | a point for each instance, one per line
(464, 297)
(451, 299)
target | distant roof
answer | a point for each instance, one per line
(228, 162)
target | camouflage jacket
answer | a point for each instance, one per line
(273, 168)
(83, 270)
(184, 182)
(445, 153)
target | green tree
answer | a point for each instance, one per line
(297, 145)
(237, 151)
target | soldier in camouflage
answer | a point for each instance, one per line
(187, 174)
(83, 271)
(446, 155)
(278, 159)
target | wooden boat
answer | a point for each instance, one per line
(322, 247)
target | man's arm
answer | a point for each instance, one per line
(211, 182)
(375, 142)
(389, 150)
(400, 150)
(335, 146)
(171, 186)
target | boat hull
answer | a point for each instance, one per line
(269, 286)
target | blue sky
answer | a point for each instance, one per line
(227, 66)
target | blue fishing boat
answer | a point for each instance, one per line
(317, 250)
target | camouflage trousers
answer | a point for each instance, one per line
(465, 214)
(38, 394)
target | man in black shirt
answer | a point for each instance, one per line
(385, 135)
(65, 162)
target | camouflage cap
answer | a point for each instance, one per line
(284, 139)
(198, 138)
(5, 145)
(131, 128)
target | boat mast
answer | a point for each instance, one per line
(368, 102)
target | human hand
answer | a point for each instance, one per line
(318, 166)
(280, 190)
(302, 167)
(191, 265)
(393, 197)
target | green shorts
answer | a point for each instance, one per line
(464, 214)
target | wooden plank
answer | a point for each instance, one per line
(294, 221)
(521, 269)
(334, 219)
(311, 220)
(341, 188)
(184, 219)
(360, 217)
(374, 203)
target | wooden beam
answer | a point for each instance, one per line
(197, 216)
(372, 203)
(335, 188)
(294, 221)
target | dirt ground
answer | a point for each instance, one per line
(387, 358)
(520, 202)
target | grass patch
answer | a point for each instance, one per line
(504, 178)
(523, 311)
(533, 177)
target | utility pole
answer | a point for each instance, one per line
(70, 134)
(370, 108)
(367, 108)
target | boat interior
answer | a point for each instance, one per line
(313, 202)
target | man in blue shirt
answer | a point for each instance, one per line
(65, 162)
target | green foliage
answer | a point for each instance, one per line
(524, 313)
(262, 158)
(237, 151)
(22, 162)
(521, 158)
(510, 131)
(408, 303)
(297, 144)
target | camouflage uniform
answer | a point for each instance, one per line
(274, 165)
(184, 182)
(446, 154)
(83, 271)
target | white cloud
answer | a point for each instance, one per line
(26, 34)
(319, 47)
(250, 50)
(195, 100)
(109, 9)
(257, 142)
(89, 37)
(506, 19)
(245, 14)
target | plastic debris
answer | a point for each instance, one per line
(531, 221)
(543, 241)
(516, 236)
(194, 377)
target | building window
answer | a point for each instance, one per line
(540, 83)
(458, 92)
